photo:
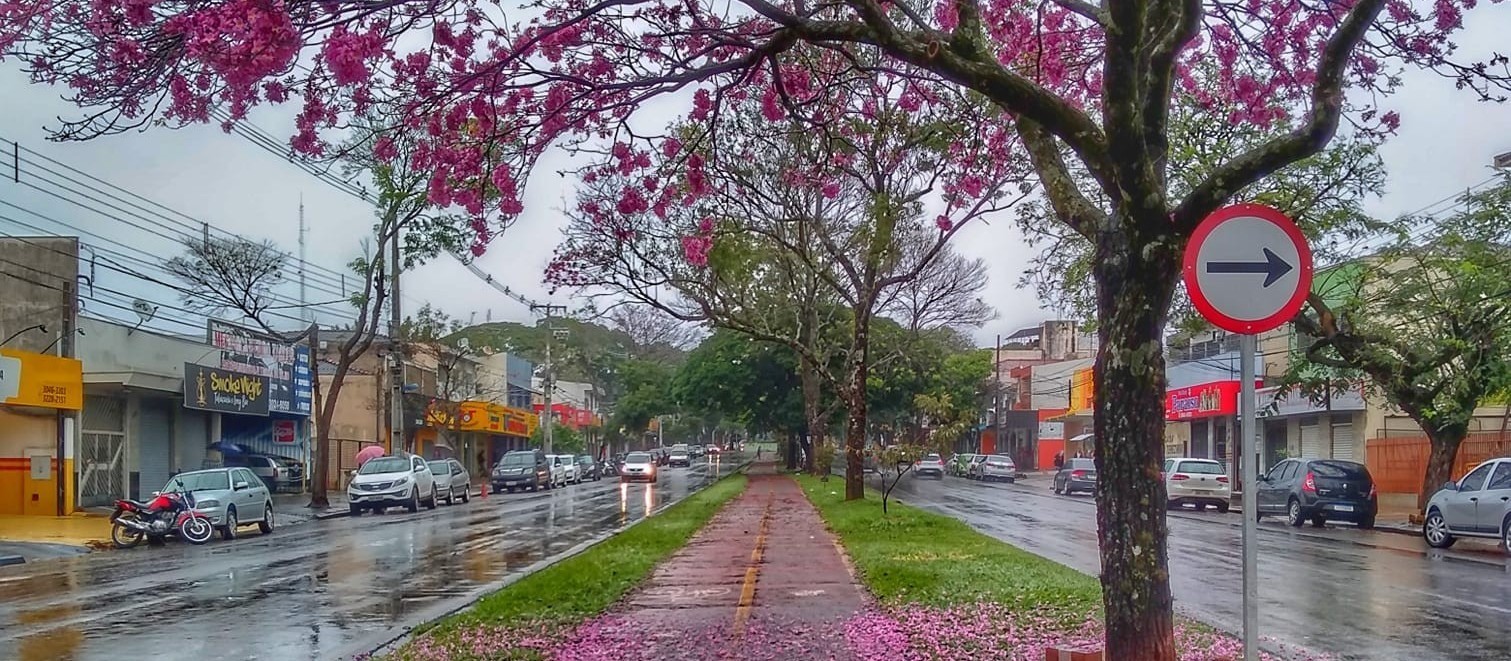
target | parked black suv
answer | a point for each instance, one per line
(521, 469)
(1318, 490)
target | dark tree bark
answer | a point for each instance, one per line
(1445, 442)
(855, 401)
(1134, 289)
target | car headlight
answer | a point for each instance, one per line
(208, 503)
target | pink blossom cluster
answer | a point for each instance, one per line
(484, 98)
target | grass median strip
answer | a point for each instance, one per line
(946, 591)
(509, 623)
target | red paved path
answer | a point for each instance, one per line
(763, 573)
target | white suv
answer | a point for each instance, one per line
(384, 482)
(564, 469)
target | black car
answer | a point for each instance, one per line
(588, 469)
(1318, 490)
(521, 469)
(1079, 474)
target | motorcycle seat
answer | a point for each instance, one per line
(136, 503)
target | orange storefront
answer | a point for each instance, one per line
(35, 391)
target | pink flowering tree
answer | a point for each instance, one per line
(1080, 83)
(792, 213)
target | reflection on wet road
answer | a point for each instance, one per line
(318, 590)
(1351, 593)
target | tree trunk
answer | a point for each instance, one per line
(318, 498)
(1445, 449)
(855, 401)
(792, 450)
(1134, 286)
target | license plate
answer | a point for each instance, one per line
(1344, 508)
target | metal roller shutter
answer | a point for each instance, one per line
(154, 446)
(1343, 442)
(1311, 441)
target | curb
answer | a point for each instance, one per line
(396, 637)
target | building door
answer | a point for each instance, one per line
(1343, 441)
(154, 442)
(1311, 439)
(1200, 440)
(101, 460)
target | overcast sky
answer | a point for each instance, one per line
(1445, 145)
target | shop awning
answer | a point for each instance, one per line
(1082, 437)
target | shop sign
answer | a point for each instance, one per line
(211, 389)
(1202, 401)
(35, 379)
(1052, 430)
(284, 431)
(1296, 402)
(1082, 392)
(285, 366)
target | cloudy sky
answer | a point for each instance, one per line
(201, 174)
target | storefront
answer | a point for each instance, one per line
(37, 392)
(1296, 425)
(475, 433)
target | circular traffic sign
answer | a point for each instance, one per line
(1248, 268)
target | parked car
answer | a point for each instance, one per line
(679, 457)
(568, 464)
(277, 473)
(522, 469)
(1199, 482)
(973, 469)
(931, 465)
(1318, 490)
(587, 468)
(230, 497)
(1079, 474)
(387, 482)
(639, 467)
(959, 463)
(452, 481)
(694, 451)
(1479, 505)
(997, 467)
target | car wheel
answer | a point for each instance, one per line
(430, 504)
(1318, 521)
(1222, 508)
(1506, 534)
(1367, 523)
(1057, 489)
(467, 494)
(1012, 480)
(354, 510)
(450, 495)
(228, 531)
(414, 501)
(266, 524)
(1293, 514)
(1435, 531)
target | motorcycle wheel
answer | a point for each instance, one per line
(196, 530)
(123, 537)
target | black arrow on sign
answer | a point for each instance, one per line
(1273, 267)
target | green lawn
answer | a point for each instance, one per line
(913, 556)
(590, 582)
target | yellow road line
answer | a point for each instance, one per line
(752, 572)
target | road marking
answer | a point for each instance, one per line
(752, 571)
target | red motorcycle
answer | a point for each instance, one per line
(169, 513)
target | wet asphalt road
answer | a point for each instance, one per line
(1350, 593)
(323, 589)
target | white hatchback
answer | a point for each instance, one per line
(1199, 482)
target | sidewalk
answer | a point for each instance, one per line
(292, 508)
(763, 574)
(24, 538)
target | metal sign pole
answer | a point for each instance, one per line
(1249, 457)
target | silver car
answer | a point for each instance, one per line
(231, 497)
(451, 480)
(1479, 505)
(996, 467)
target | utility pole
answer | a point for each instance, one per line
(548, 380)
(395, 354)
(65, 450)
(997, 394)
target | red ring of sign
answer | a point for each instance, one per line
(1304, 275)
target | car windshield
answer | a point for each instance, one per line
(518, 459)
(1201, 468)
(206, 481)
(1339, 469)
(931, 457)
(1083, 464)
(584, 459)
(637, 458)
(440, 468)
(384, 465)
(999, 459)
